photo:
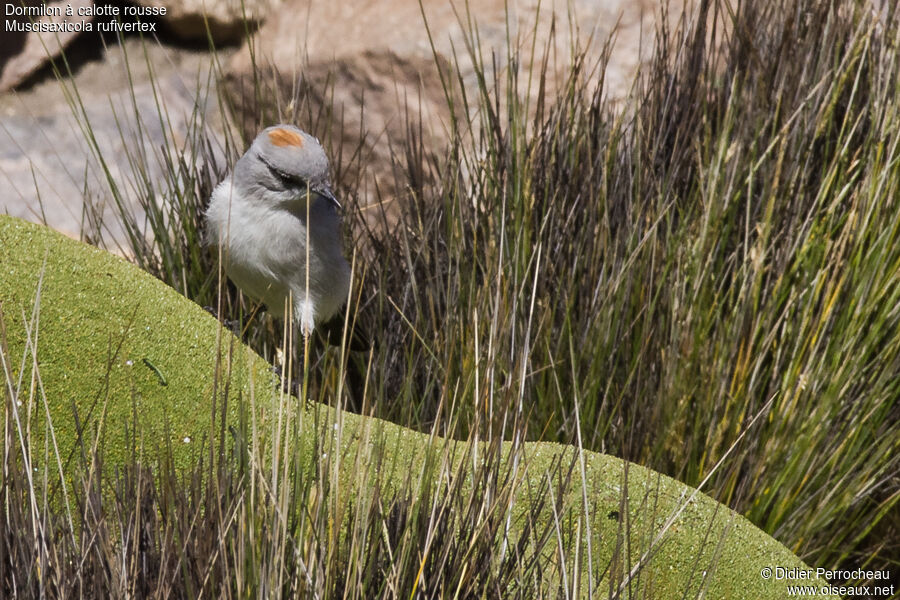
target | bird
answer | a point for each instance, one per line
(277, 223)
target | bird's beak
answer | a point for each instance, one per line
(325, 192)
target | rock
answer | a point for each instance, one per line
(368, 94)
(24, 52)
(49, 169)
(384, 74)
(228, 19)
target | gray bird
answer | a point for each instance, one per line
(278, 226)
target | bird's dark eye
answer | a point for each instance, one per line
(287, 179)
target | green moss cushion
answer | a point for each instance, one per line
(111, 344)
(94, 346)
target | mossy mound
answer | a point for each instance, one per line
(113, 346)
(138, 364)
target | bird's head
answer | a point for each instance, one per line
(288, 162)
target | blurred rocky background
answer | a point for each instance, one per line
(79, 109)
